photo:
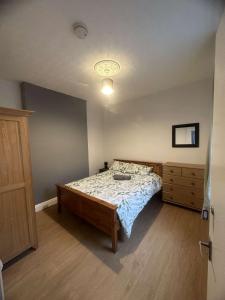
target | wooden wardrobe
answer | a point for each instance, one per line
(17, 213)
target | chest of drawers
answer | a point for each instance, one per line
(183, 184)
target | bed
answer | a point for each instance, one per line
(108, 204)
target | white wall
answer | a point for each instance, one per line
(142, 130)
(95, 137)
(10, 94)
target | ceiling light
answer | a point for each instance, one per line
(107, 68)
(107, 86)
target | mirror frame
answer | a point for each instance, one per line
(174, 127)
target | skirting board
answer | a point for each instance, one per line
(45, 204)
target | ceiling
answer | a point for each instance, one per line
(158, 43)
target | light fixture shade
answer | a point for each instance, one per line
(107, 68)
(107, 86)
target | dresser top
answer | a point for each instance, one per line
(184, 165)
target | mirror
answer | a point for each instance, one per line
(185, 135)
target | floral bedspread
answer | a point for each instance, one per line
(130, 196)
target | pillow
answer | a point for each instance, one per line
(121, 177)
(119, 166)
(138, 169)
(130, 168)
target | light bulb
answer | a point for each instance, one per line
(107, 86)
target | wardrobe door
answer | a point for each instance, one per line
(17, 219)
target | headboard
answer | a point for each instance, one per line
(157, 166)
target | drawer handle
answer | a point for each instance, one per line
(193, 183)
(171, 180)
(193, 174)
(193, 193)
(171, 171)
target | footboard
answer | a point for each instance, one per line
(95, 211)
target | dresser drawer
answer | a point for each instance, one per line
(168, 197)
(183, 190)
(193, 173)
(183, 199)
(191, 182)
(171, 197)
(172, 170)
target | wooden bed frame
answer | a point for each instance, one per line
(99, 213)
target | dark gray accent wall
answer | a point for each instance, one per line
(58, 138)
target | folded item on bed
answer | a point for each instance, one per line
(121, 177)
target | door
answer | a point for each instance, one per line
(216, 267)
(16, 233)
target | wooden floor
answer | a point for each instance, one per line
(73, 261)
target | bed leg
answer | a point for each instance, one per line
(114, 239)
(59, 206)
